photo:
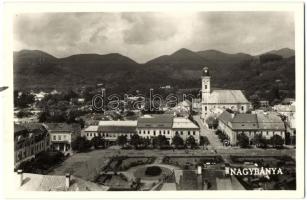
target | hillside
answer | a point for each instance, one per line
(182, 69)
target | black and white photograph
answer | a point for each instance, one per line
(157, 100)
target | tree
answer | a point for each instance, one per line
(135, 140)
(177, 141)
(81, 144)
(212, 122)
(260, 141)
(243, 140)
(203, 140)
(43, 116)
(97, 142)
(190, 141)
(161, 141)
(277, 141)
(122, 140)
(24, 100)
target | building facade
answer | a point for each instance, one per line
(214, 102)
(110, 130)
(29, 140)
(267, 125)
(151, 126)
(62, 135)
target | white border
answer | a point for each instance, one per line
(12, 8)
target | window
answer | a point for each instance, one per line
(242, 108)
(188, 132)
(64, 137)
(54, 137)
(193, 132)
(205, 108)
(60, 137)
(206, 86)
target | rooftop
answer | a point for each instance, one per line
(155, 121)
(91, 129)
(132, 123)
(183, 123)
(39, 182)
(270, 121)
(227, 96)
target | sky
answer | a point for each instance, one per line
(143, 36)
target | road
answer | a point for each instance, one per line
(204, 131)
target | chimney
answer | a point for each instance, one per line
(20, 176)
(67, 181)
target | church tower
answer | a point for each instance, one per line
(205, 81)
(206, 90)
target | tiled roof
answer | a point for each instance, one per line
(269, 121)
(118, 123)
(39, 182)
(223, 184)
(26, 128)
(19, 129)
(91, 129)
(168, 186)
(226, 96)
(155, 121)
(183, 123)
(62, 127)
(244, 122)
(117, 129)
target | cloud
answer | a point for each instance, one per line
(147, 27)
(143, 36)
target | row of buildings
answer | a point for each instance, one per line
(148, 126)
(33, 138)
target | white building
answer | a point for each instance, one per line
(62, 135)
(154, 125)
(185, 128)
(214, 102)
(168, 126)
(110, 130)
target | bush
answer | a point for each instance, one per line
(153, 171)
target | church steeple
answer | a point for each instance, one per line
(206, 80)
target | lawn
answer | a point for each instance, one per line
(123, 163)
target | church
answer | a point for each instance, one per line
(214, 102)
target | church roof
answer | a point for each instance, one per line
(226, 96)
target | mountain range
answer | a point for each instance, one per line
(37, 69)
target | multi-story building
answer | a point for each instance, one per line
(62, 135)
(266, 124)
(29, 140)
(185, 128)
(110, 130)
(214, 102)
(150, 126)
